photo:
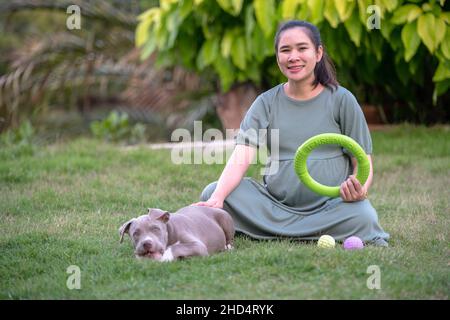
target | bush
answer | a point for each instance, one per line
(395, 53)
(116, 127)
(20, 140)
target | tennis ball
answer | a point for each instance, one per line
(326, 241)
(353, 243)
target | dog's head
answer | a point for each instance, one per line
(148, 233)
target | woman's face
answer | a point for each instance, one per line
(297, 55)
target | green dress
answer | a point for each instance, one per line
(282, 206)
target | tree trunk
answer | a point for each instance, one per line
(233, 105)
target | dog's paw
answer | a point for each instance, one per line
(228, 247)
(167, 256)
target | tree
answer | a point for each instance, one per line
(43, 61)
(394, 53)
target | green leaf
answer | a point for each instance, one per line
(226, 72)
(425, 28)
(249, 22)
(440, 30)
(331, 14)
(377, 46)
(427, 7)
(387, 28)
(258, 44)
(148, 48)
(253, 72)
(225, 5)
(186, 9)
(238, 53)
(395, 39)
(446, 17)
(362, 8)
(316, 8)
(265, 15)
(166, 59)
(436, 10)
(205, 27)
(249, 27)
(142, 32)
(390, 4)
(233, 7)
(236, 6)
(143, 29)
(354, 28)
(208, 53)
(210, 50)
(289, 8)
(304, 13)
(173, 23)
(413, 14)
(332, 46)
(442, 72)
(161, 36)
(440, 88)
(414, 65)
(227, 41)
(149, 14)
(166, 4)
(410, 39)
(187, 51)
(445, 44)
(344, 8)
(406, 13)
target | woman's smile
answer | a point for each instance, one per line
(296, 68)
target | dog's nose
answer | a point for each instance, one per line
(147, 245)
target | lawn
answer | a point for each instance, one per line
(62, 205)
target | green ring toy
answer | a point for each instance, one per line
(305, 149)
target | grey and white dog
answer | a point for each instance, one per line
(191, 231)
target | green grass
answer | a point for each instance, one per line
(63, 206)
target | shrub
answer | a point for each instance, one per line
(116, 127)
(20, 140)
(403, 64)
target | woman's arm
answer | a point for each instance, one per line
(351, 189)
(231, 176)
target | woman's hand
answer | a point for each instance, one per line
(351, 190)
(211, 202)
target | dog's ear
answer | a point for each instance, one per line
(125, 228)
(159, 214)
(164, 217)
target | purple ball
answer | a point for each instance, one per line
(353, 243)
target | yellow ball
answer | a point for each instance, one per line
(326, 241)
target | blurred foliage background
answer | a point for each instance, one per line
(400, 62)
(65, 79)
(167, 63)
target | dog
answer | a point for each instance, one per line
(191, 231)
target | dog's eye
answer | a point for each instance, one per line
(154, 229)
(136, 233)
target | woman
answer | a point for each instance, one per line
(310, 103)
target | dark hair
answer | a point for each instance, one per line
(324, 72)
